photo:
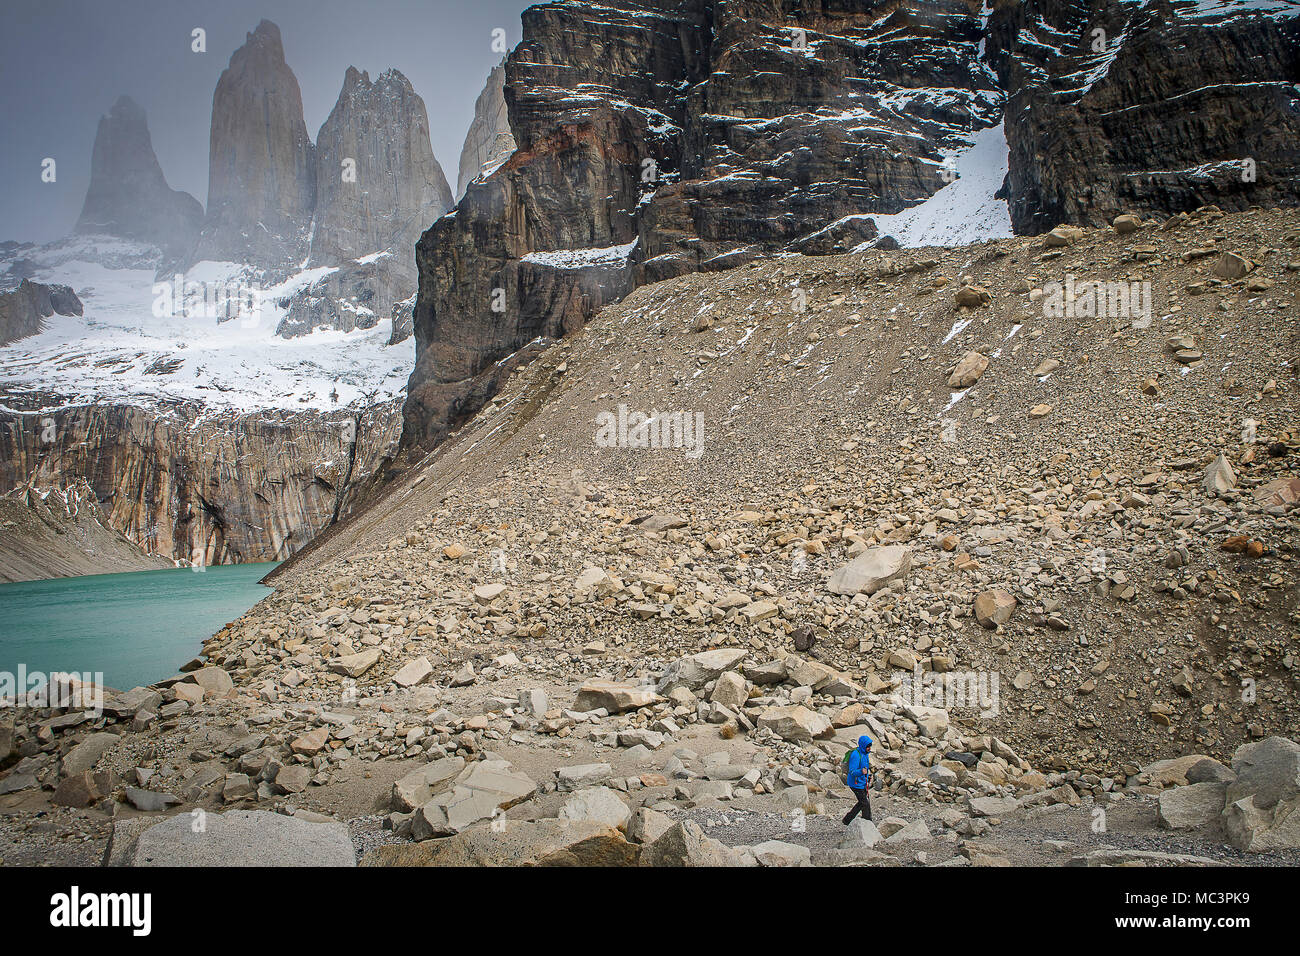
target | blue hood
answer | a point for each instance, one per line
(864, 743)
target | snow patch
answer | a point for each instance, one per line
(964, 211)
(120, 350)
(582, 258)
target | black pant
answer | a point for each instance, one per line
(863, 805)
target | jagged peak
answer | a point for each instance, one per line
(125, 108)
(265, 40)
(389, 83)
(393, 77)
(266, 31)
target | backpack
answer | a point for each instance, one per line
(844, 767)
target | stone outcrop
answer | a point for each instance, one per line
(128, 195)
(261, 161)
(1141, 107)
(195, 486)
(669, 137)
(488, 142)
(23, 310)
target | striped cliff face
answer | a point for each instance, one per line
(200, 486)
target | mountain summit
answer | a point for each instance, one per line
(128, 195)
(261, 161)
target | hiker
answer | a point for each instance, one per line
(859, 779)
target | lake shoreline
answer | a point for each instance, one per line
(133, 628)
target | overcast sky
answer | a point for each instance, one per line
(64, 62)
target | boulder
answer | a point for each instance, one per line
(779, 853)
(684, 844)
(1279, 491)
(613, 696)
(661, 522)
(696, 670)
(861, 834)
(418, 787)
(757, 611)
(237, 786)
(186, 692)
(992, 806)
(1219, 477)
(941, 776)
(932, 722)
(646, 825)
(550, 842)
(795, 722)
(582, 775)
(730, 690)
(968, 371)
(1209, 770)
(243, 838)
(150, 801)
(1186, 808)
(487, 593)
(993, 607)
(214, 681)
(354, 665)
(1063, 235)
(131, 703)
(1232, 266)
(1263, 803)
(311, 743)
(85, 754)
(973, 295)
(293, 778)
(599, 805)
(771, 672)
(1173, 771)
(533, 701)
(81, 789)
(914, 830)
(871, 570)
(476, 794)
(1125, 224)
(413, 672)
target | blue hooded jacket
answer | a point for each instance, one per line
(860, 764)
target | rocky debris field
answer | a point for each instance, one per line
(197, 773)
(1046, 558)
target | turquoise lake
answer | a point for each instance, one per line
(133, 628)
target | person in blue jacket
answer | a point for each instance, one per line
(860, 779)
